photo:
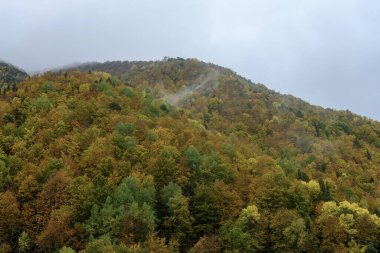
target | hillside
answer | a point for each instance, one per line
(10, 75)
(181, 156)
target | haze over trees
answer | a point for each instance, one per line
(97, 159)
(9, 76)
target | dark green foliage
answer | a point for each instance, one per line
(5, 177)
(151, 110)
(128, 92)
(152, 136)
(325, 191)
(289, 166)
(53, 166)
(41, 104)
(242, 235)
(302, 176)
(318, 126)
(368, 155)
(125, 129)
(10, 75)
(47, 87)
(371, 249)
(204, 210)
(170, 191)
(212, 168)
(193, 158)
(104, 87)
(128, 202)
(114, 106)
(125, 142)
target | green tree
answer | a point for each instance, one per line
(24, 242)
(178, 223)
(242, 235)
(193, 157)
(128, 214)
(125, 129)
(213, 168)
(5, 177)
(100, 245)
(288, 231)
(66, 250)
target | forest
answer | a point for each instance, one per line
(180, 155)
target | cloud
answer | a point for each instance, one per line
(209, 81)
(325, 51)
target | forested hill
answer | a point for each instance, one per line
(208, 91)
(181, 156)
(10, 75)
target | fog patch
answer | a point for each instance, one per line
(204, 82)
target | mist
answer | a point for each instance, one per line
(326, 52)
(209, 80)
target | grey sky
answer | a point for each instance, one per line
(325, 51)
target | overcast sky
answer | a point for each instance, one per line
(326, 52)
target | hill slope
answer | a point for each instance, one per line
(9, 75)
(180, 155)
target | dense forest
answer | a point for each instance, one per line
(181, 156)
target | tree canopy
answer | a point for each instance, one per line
(181, 156)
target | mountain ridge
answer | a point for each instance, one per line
(10, 75)
(119, 68)
(181, 156)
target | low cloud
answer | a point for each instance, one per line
(208, 81)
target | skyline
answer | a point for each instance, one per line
(324, 52)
